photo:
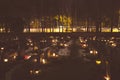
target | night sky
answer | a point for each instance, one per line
(53, 7)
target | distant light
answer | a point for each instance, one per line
(14, 57)
(105, 40)
(98, 62)
(96, 52)
(32, 22)
(114, 45)
(36, 72)
(84, 45)
(5, 60)
(31, 44)
(27, 57)
(65, 45)
(54, 54)
(31, 71)
(94, 38)
(43, 61)
(91, 52)
(112, 37)
(34, 60)
(2, 48)
(61, 44)
(30, 40)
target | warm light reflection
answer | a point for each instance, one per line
(67, 29)
(107, 77)
(43, 61)
(98, 62)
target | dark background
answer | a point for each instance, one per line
(52, 7)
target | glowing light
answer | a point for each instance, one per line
(96, 52)
(36, 72)
(115, 30)
(5, 60)
(34, 60)
(31, 71)
(54, 54)
(43, 61)
(84, 45)
(27, 57)
(31, 44)
(98, 62)
(107, 77)
(113, 45)
(91, 52)
(61, 44)
(2, 48)
(65, 45)
(14, 57)
(105, 40)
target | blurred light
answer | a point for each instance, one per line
(27, 57)
(94, 38)
(54, 54)
(31, 44)
(35, 48)
(107, 77)
(14, 57)
(61, 44)
(81, 41)
(34, 60)
(84, 45)
(113, 44)
(91, 52)
(5, 60)
(112, 37)
(68, 37)
(27, 44)
(102, 40)
(111, 41)
(43, 61)
(105, 40)
(98, 62)
(2, 48)
(62, 38)
(96, 52)
(51, 37)
(65, 45)
(29, 40)
(36, 72)
(31, 71)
